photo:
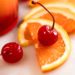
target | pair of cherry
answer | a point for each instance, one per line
(13, 52)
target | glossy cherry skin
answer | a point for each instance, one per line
(12, 52)
(47, 36)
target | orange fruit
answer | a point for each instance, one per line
(52, 56)
(64, 15)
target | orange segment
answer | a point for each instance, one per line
(52, 56)
(67, 24)
(33, 29)
(48, 55)
(24, 36)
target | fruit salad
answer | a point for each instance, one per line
(46, 27)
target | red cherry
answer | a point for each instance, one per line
(47, 36)
(12, 52)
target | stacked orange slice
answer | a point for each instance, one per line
(48, 57)
(52, 56)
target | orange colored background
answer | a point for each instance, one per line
(51, 1)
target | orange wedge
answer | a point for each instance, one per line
(64, 15)
(52, 56)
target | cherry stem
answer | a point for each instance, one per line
(33, 2)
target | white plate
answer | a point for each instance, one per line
(28, 65)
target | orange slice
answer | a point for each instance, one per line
(21, 32)
(64, 15)
(53, 56)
